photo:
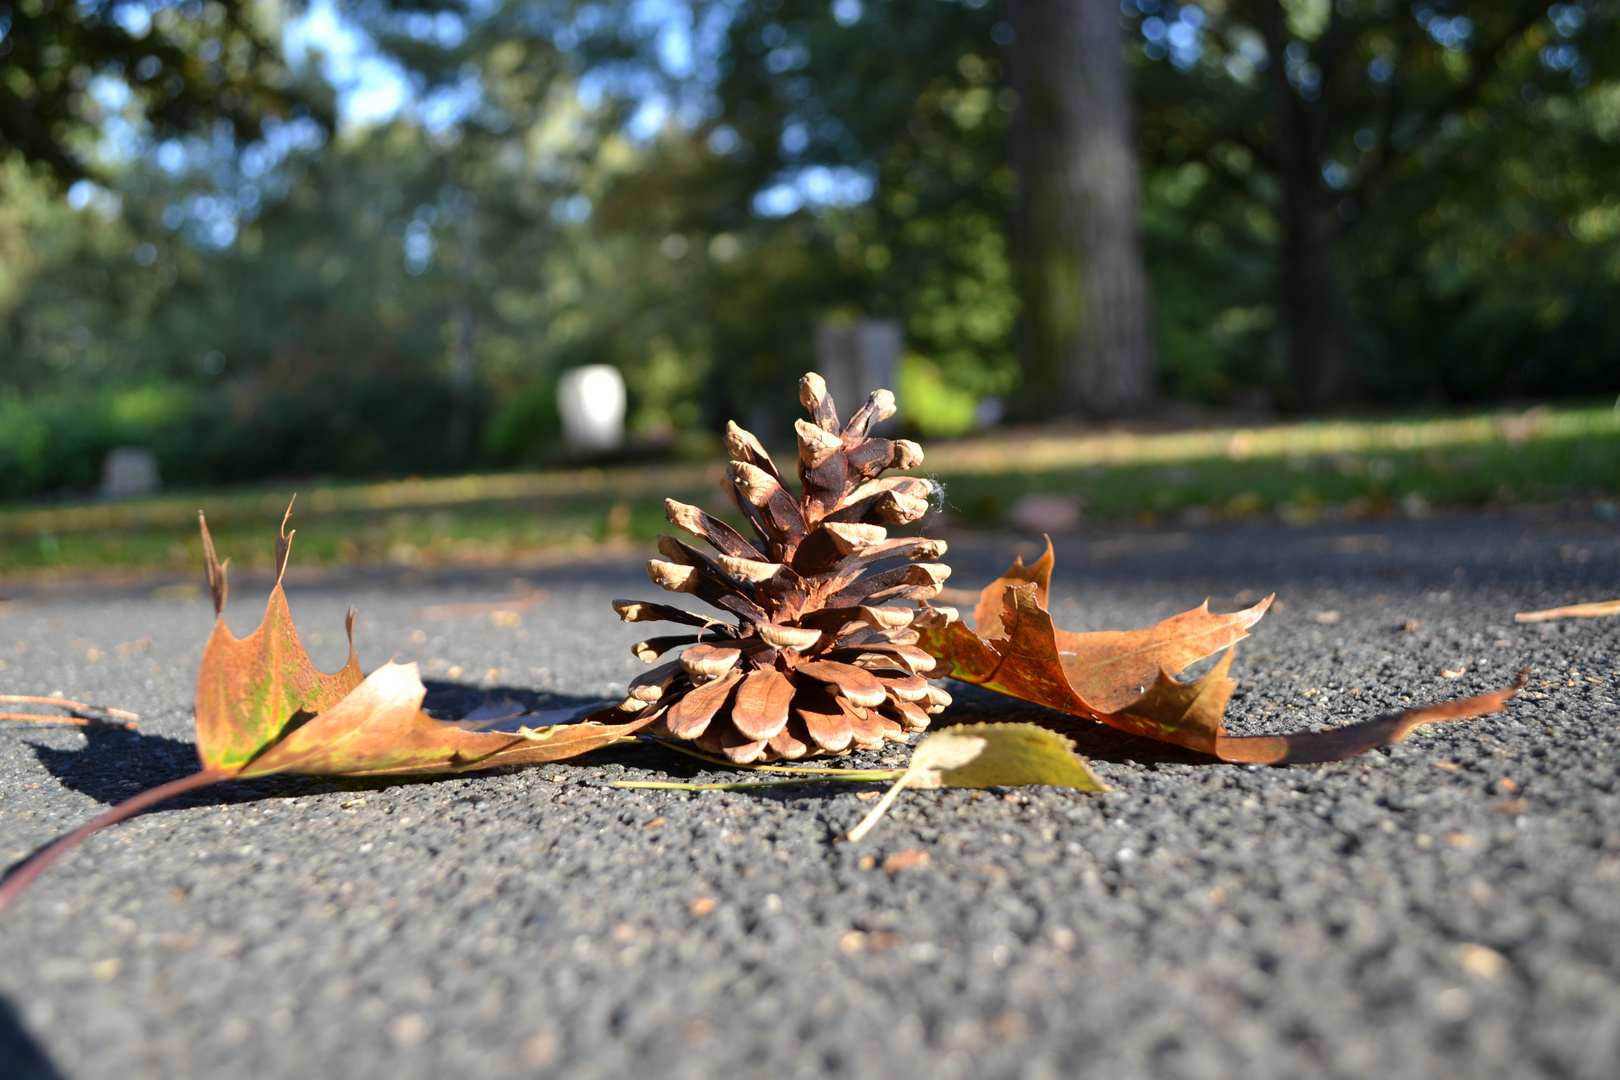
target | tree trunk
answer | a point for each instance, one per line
(463, 362)
(1087, 342)
(1315, 308)
(1320, 350)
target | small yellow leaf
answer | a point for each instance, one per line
(987, 755)
(1013, 755)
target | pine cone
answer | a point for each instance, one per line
(817, 661)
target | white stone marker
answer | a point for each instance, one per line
(591, 400)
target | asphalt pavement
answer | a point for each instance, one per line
(1447, 907)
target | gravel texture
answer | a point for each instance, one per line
(1446, 907)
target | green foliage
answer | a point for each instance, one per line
(165, 68)
(59, 441)
(929, 402)
(911, 102)
(1457, 154)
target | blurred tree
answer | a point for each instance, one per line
(1324, 115)
(1086, 330)
(169, 67)
(501, 138)
(568, 185)
(847, 159)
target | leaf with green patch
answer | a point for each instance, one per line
(263, 709)
(253, 690)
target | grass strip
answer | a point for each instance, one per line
(1340, 469)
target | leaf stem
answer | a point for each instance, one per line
(63, 703)
(78, 721)
(845, 776)
(12, 885)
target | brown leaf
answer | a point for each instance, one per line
(1308, 747)
(987, 614)
(1126, 679)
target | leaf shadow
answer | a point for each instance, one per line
(975, 705)
(21, 1056)
(115, 763)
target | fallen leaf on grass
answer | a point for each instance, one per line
(263, 708)
(1125, 679)
(984, 756)
(1573, 611)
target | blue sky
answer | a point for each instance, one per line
(372, 87)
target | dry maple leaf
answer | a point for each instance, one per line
(263, 708)
(1126, 680)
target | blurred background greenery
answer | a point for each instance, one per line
(363, 238)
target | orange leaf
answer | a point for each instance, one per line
(987, 614)
(1126, 679)
(263, 708)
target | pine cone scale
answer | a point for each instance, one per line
(699, 523)
(689, 717)
(826, 723)
(857, 685)
(866, 729)
(703, 663)
(763, 702)
(787, 744)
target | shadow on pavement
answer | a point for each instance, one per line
(21, 1058)
(116, 763)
